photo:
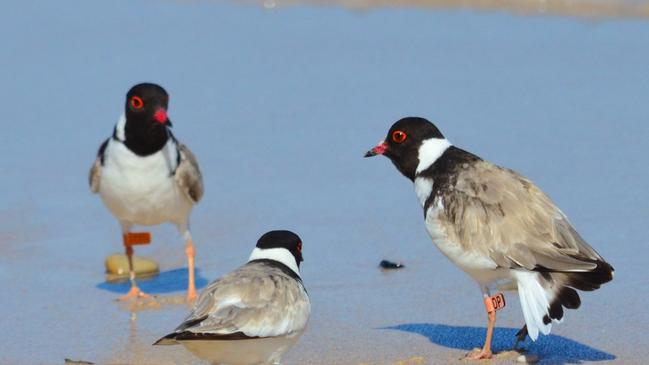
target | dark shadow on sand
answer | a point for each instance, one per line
(551, 349)
(163, 283)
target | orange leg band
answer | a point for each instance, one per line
(494, 303)
(142, 238)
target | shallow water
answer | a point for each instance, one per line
(279, 105)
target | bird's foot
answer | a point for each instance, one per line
(479, 354)
(135, 292)
(521, 335)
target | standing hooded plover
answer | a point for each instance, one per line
(497, 226)
(254, 314)
(146, 177)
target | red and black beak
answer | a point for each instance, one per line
(161, 117)
(379, 149)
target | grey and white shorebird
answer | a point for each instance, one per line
(497, 226)
(254, 314)
(146, 177)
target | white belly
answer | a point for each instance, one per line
(141, 190)
(474, 262)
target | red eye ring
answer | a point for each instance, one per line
(299, 247)
(399, 136)
(136, 102)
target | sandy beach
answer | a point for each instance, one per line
(279, 101)
(594, 9)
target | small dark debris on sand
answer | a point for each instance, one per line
(77, 362)
(389, 265)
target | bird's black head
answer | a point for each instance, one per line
(145, 130)
(402, 143)
(282, 239)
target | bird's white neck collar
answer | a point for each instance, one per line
(120, 128)
(277, 254)
(430, 150)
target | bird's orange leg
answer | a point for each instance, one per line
(191, 286)
(492, 304)
(486, 353)
(135, 292)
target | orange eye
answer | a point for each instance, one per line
(136, 102)
(399, 136)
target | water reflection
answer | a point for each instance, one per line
(164, 283)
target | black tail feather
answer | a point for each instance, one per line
(169, 339)
(192, 336)
(566, 282)
(591, 280)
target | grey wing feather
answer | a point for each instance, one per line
(93, 176)
(257, 300)
(506, 217)
(188, 174)
(95, 170)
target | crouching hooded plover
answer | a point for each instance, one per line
(497, 226)
(254, 314)
(146, 177)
